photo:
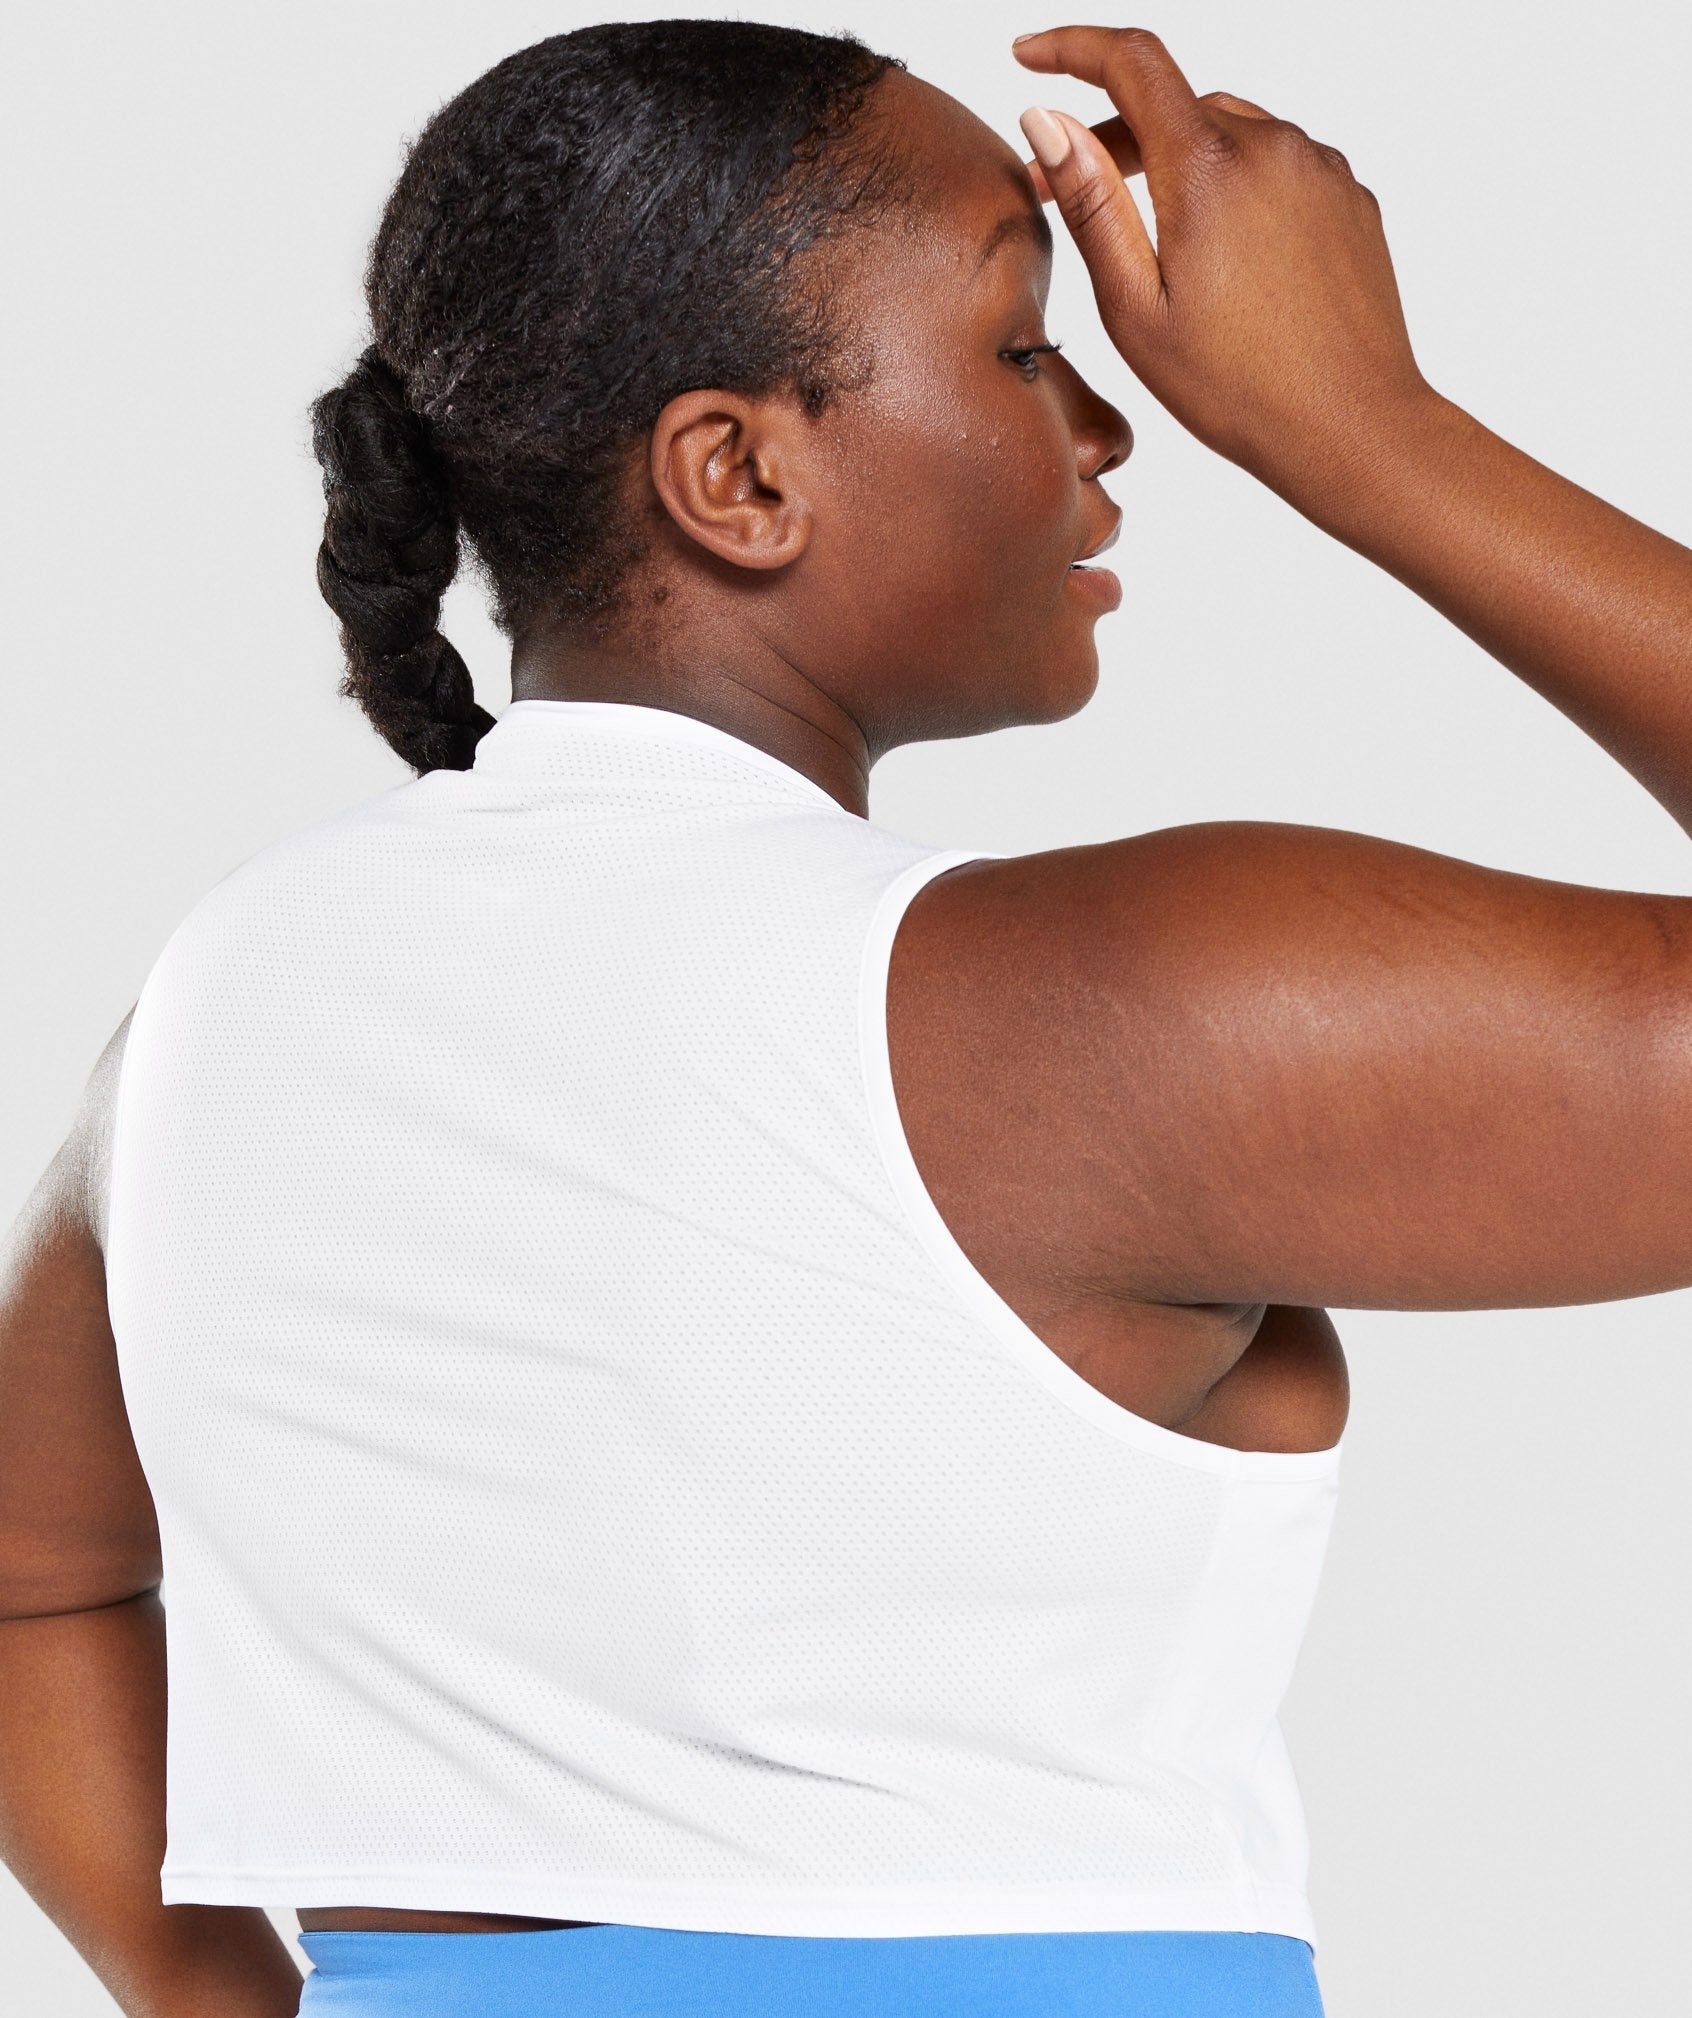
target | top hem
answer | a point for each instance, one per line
(870, 1912)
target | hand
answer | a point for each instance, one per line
(1267, 319)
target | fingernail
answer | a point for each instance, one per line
(1046, 136)
(1015, 39)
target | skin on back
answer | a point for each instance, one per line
(1173, 1094)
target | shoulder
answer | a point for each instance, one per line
(1045, 945)
(1196, 907)
(92, 1130)
(69, 1198)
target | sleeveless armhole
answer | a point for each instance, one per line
(965, 1280)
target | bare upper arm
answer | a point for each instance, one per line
(76, 1518)
(1241, 1061)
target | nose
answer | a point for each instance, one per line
(1103, 438)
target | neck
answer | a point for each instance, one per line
(766, 702)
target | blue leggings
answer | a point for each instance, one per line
(666, 1972)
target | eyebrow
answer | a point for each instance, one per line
(1026, 224)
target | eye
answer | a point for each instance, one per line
(1024, 359)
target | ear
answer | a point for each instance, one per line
(730, 474)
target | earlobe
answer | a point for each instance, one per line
(726, 474)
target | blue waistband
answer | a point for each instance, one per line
(665, 1972)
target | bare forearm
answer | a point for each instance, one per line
(82, 1820)
(1587, 605)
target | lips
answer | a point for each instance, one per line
(1098, 585)
(1100, 546)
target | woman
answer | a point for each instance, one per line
(736, 1411)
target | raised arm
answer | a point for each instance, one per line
(1268, 322)
(82, 1668)
(1320, 1068)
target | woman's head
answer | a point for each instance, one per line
(681, 324)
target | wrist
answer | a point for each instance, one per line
(1367, 482)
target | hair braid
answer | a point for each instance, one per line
(389, 551)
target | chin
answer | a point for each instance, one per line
(1044, 686)
(1071, 682)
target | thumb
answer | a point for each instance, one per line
(1094, 201)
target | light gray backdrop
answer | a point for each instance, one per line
(1490, 1716)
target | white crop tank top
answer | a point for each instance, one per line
(593, 1482)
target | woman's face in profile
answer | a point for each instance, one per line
(954, 491)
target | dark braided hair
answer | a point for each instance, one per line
(598, 223)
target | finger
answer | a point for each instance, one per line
(1144, 82)
(1119, 144)
(1124, 150)
(1095, 203)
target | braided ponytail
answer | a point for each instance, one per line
(389, 551)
